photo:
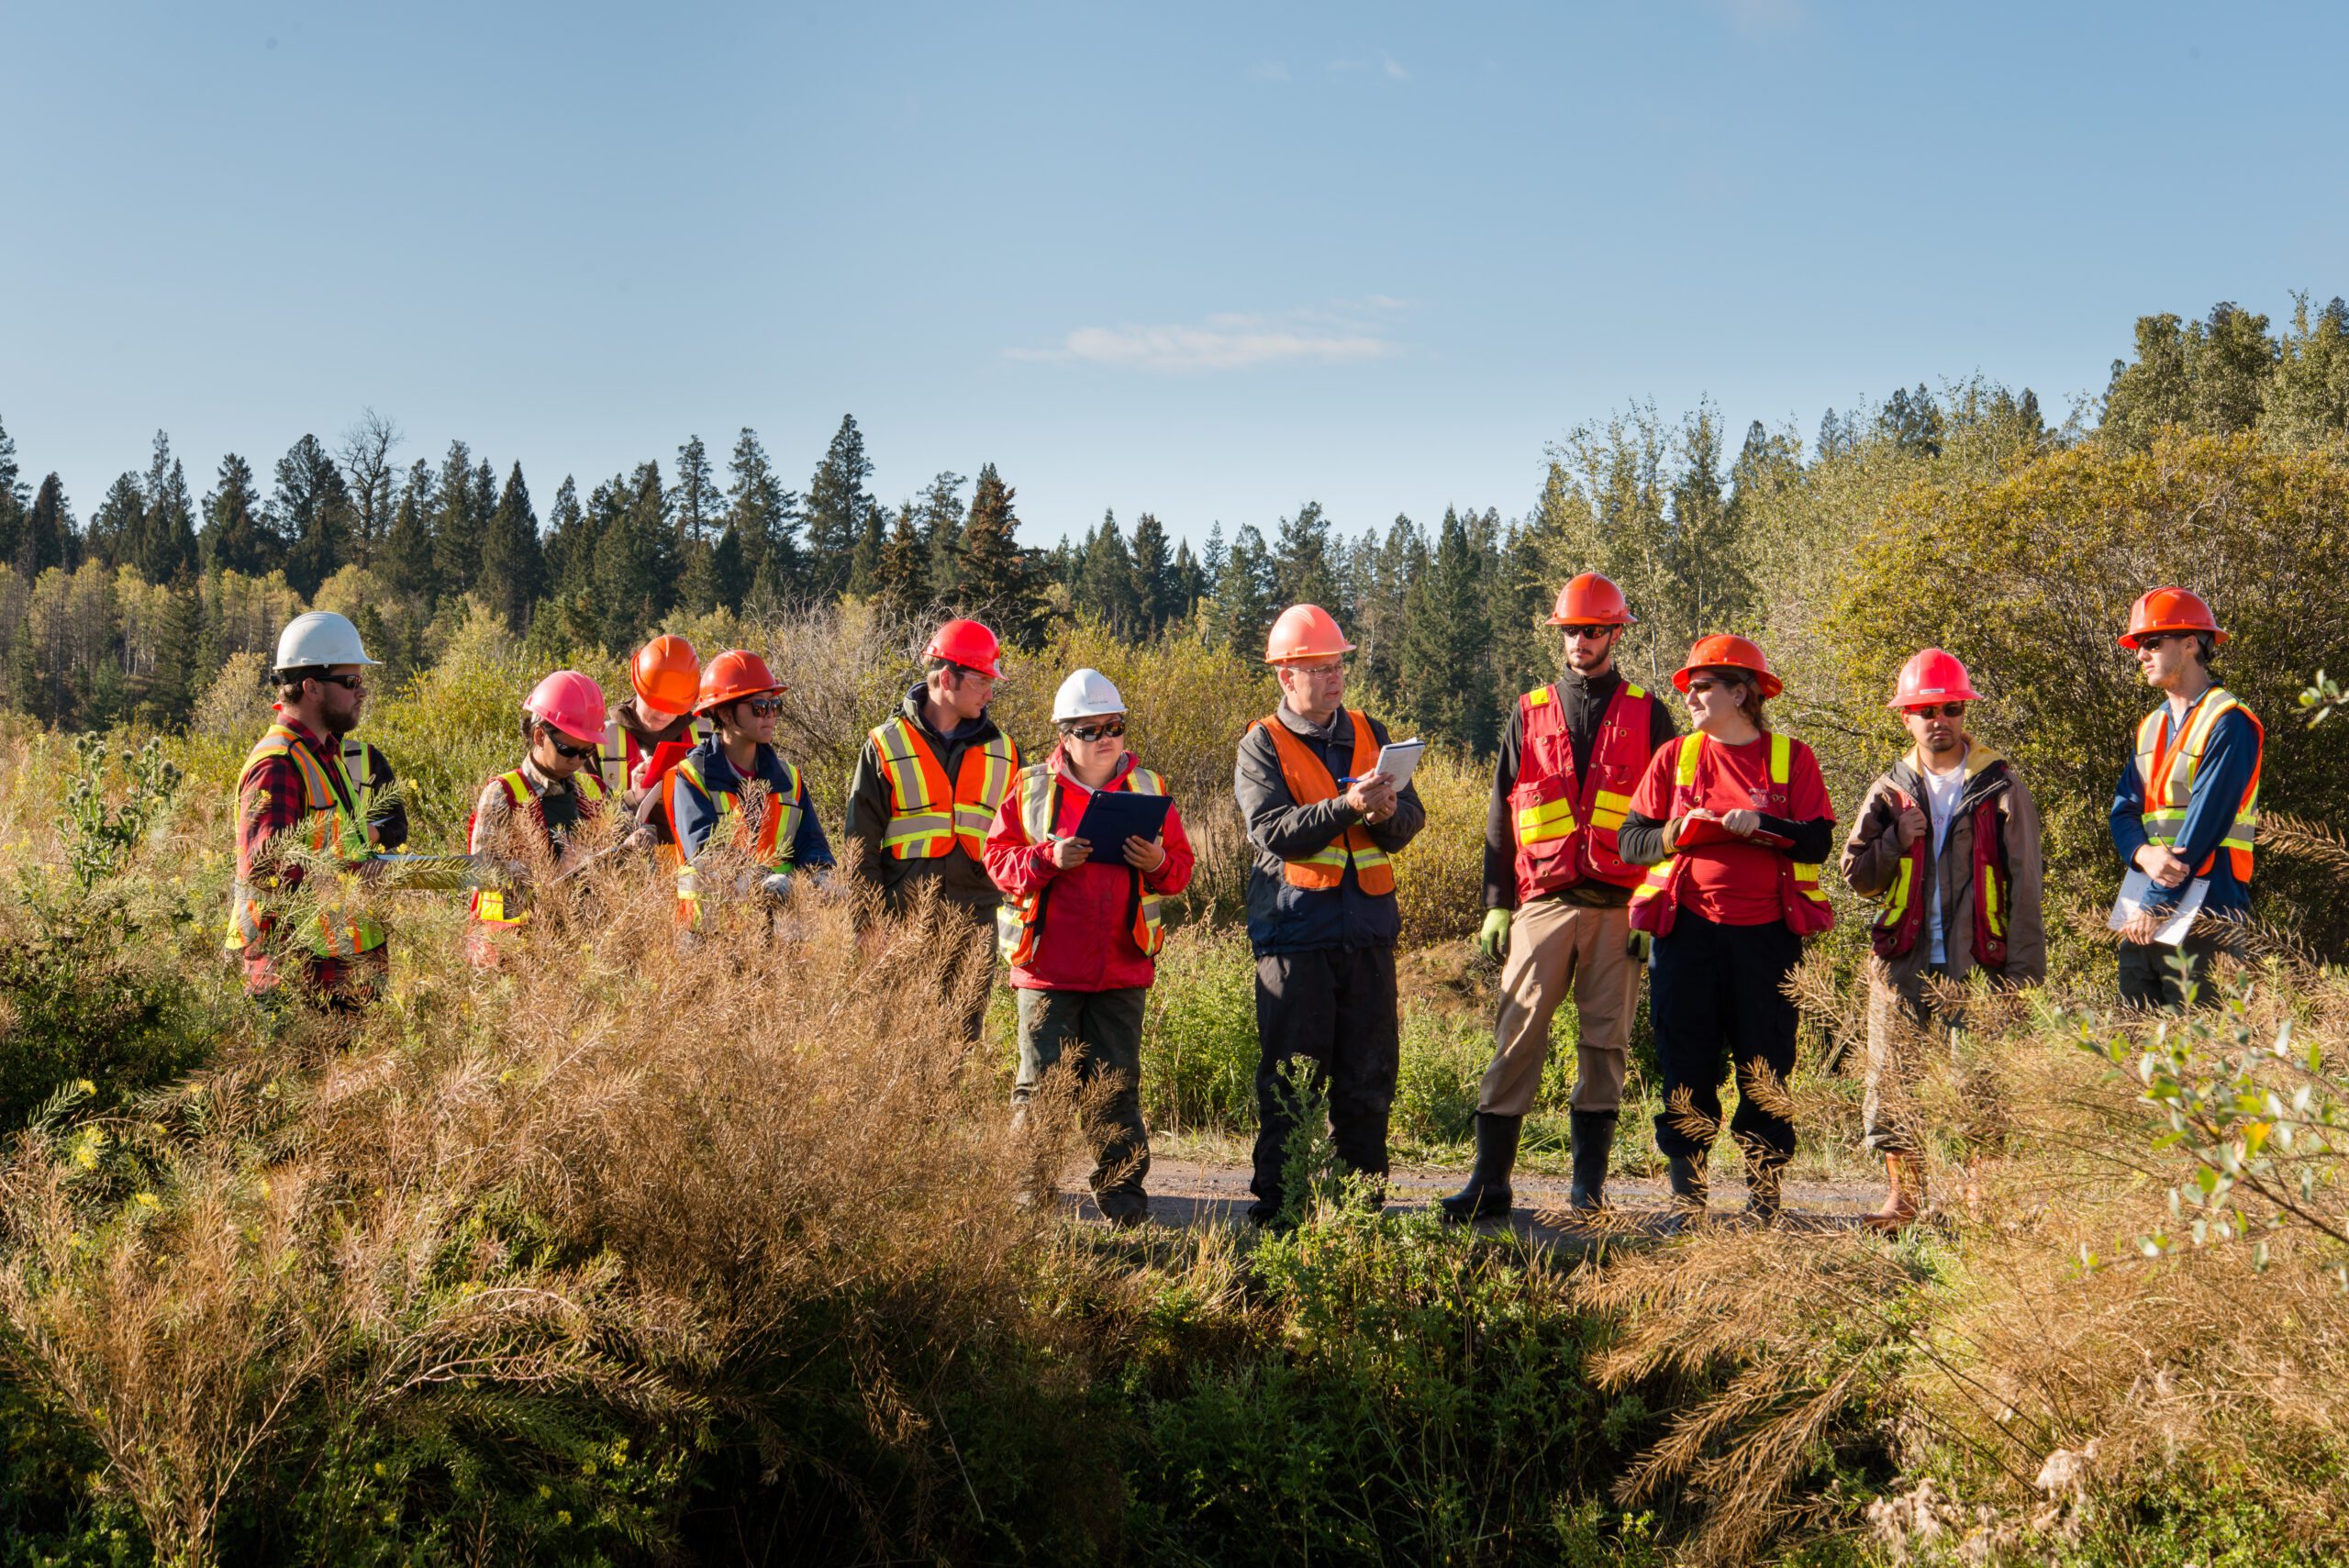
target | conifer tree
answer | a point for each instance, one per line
(634, 555)
(1213, 556)
(117, 526)
(1105, 579)
(234, 537)
(998, 580)
(48, 538)
(1383, 588)
(456, 528)
(12, 496)
(513, 564)
(1157, 594)
(408, 556)
(1190, 581)
(1303, 572)
(694, 500)
(1447, 674)
(571, 570)
(901, 579)
(1244, 606)
(837, 508)
(763, 517)
(941, 532)
(311, 516)
(180, 667)
(864, 561)
(167, 531)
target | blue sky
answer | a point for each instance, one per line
(1209, 261)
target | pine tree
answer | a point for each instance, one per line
(1190, 581)
(763, 517)
(311, 516)
(1157, 594)
(1213, 557)
(234, 537)
(1912, 422)
(864, 561)
(901, 578)
(1447, 674)
(1244, 595)
(117, 526)
(181, 670)
(1105, 579)
(1303, 572)
(571, 570)
(48, 538)
(998, 580)
(694, 503)
(941, 532)
(167, 531)
(407, 555)
(1383, 588)
(12, 498)
(457, 529)
(513, 564)
(837, 508)
(634, 555)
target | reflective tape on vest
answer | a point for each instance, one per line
(2169, 787)
(329, 827)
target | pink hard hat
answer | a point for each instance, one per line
(571, 703)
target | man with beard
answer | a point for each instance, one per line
(1557, 896)
(309, 790)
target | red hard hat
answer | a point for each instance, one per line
(734, 674)
(667, 674)
(2171, 610)
(969, 644)
(1592, 600)
(1305, 631)
(571, 703)
(1723, 651)
(1932, 676)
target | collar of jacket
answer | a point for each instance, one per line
(1338, 731)
(1602, 685)
(1987, 772)
(719, 774)
(981, 729)
(1058, 763)
(541, 782)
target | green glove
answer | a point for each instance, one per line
(1493, 940)
(1642, 945)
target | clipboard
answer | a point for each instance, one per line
(1113, 815)
(663, 759)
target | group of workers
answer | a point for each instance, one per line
(1615, 845)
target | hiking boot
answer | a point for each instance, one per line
(1761, 1192)
(1486, 1195)
(1594, 1139)
(1907, 1197)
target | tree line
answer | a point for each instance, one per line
(126, 617)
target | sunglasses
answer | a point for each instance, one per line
(1109, 729)
(1701, 686)
(2156, 639)
(1588, 633)
(1946, 710)
(565, 749)
(764, 707)
(348, 683)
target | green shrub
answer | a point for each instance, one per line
(1200, 1037)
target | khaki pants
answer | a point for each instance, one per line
(1903, 1025)
(1555, 947)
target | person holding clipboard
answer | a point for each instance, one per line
(1085, 847)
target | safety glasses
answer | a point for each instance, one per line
(565, 749)
(1945, 710)
(348, 683)
(1108, 730)
(1587, 633)
(764, 707)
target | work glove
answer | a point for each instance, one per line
(1641, 944)
(1493, 940)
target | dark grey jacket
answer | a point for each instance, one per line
(1283, 918)
(960, 879)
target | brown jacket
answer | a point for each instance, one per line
(1872, 859)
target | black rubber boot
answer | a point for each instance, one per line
(1486, 1195)
(1686, 1176)
(1594, 1139)
(1761, 1192)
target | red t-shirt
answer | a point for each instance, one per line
(1732, 882)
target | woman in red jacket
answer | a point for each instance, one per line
(1732, 822)
(1080, 926)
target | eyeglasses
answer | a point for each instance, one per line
(1702, 685)
(1318, 672)
(1946, 710)
(564, 748)
(763, 707)
(2146, 640)
(1108, 730)
(1588, 633)
(348, 683)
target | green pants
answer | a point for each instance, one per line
(1100, 1033)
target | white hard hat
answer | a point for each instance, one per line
(1087, 694)
(319, 638)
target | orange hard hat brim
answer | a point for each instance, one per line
(1769, 685)
(2128, 639)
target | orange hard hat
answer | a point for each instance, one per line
(1592, 600)
(734, 674)
(667, 674)
(968, 643)
(1305, 631)
(572, 702)
(1723, 651)
(2171, 610)
(1932, 676)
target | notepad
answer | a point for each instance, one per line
(2136, 887)
(1399, 759)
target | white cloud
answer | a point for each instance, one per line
(1385, 65)
(1221, 343)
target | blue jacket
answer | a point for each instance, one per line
(1286, 918)
(693, 813)
(2218, 784)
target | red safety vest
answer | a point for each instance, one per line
(489, 903)
(1801, 902)
(1019, 922)
(1565, 828)
(1309, 780)
(928, 819)
(1902, 919)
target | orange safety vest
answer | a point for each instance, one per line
(770, 846)
(2170, 788)
(1019, 922)
(1801, 901)
(1565, 828)
(489, 903)
(926, 818)
(337, 822)
(1309, 780)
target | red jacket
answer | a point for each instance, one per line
(1088, 941)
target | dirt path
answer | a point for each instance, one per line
(1195, 1192)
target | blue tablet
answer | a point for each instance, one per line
(1112, 816)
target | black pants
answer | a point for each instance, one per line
(1714, 994)
(2149, 976)
(1335, 1007)
(1099, 1033)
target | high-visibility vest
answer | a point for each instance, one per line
(1802, 903)
(769, 846)
(623, 753)
(332, 826)
(489, 903)
(1565, 828)
(1902, 919)
(2169, 786)
(1019, 922)
(927, 819)
(1309, 781)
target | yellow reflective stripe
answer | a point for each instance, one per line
(1537, 824)
(1632, 692)
(1993, 912)
(1537, 697)
(1782, 750)
(1895, 898)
